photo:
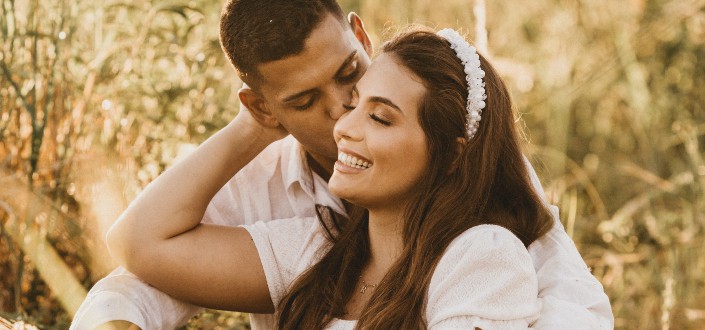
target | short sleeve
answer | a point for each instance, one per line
(286, 249)
(485, 279)
(123, 296)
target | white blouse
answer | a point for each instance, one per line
(485, 278)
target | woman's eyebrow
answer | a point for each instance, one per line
(385, 101)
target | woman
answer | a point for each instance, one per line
(440, 243)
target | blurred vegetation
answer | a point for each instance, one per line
(98, 97)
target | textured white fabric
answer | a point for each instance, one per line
(278, 184)
(123, 296)
(572, 297)
(484, 279)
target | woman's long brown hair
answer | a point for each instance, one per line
(485, 181)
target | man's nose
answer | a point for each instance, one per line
(337, 110)
(342, 102)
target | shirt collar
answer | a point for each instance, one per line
(299, 172)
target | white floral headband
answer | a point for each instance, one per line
(476, 87)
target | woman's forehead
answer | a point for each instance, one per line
(388, 78)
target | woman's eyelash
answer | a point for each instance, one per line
(379, 120)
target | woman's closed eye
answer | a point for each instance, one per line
(380, 120)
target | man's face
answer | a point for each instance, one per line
(307, 92)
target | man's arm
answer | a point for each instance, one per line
(121, 296)
(572, 297)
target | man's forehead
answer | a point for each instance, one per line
(308, 70)
(325, 51)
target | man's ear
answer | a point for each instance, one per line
(255, 104)
(358, 29)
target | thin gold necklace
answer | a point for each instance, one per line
(365, 285)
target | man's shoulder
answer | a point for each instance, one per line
(276, 150)
(276, 153)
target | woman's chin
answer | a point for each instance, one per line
(337, 189)
(345, 192)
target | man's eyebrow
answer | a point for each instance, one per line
(347, 62)
(385, 101)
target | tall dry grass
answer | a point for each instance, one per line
(97, 98)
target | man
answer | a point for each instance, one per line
(301, 59)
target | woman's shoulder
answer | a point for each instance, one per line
(286, 248)
(288, 225)
(485, 275)
(485, 238)
(485, 244)
(289, 237)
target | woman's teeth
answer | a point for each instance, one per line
(352, 161)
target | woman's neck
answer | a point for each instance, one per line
(385, 232)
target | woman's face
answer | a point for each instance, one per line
(382, 149)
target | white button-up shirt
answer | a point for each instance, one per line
(279, 184)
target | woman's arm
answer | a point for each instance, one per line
(160, 238)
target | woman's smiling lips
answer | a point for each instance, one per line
(350, 162)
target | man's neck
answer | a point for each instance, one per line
(320, 165)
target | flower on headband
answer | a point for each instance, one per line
(476, 87)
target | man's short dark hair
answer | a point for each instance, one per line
(260, 31)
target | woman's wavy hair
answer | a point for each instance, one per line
(480, 181)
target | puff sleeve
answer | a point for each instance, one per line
(485, 279)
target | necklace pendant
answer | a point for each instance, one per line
(365, 286)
